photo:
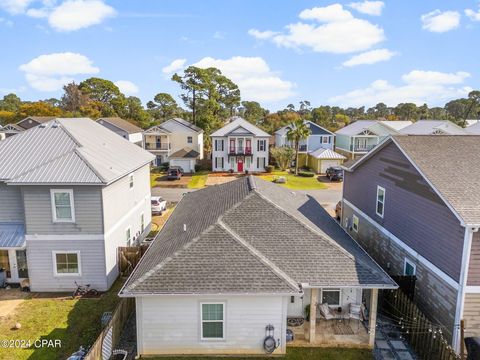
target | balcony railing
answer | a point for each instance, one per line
(239, 150)
(361, 147)
(157, 146)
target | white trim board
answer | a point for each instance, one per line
(472, 290)
(87, 237)
(449, 280)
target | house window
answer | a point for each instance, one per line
(128, 236)
(218, 145)
(62, 205)
(325, 139)
(248, 163)
(331, 296)
(232, 163)
(292, 299)
(130, 180)
(261, 145)
(66, 262)
(380, 201)
(260, 162)
(213, 321)
(355, 223)
(409, 268)
(142, 222)
(5, 262)
(189, 139)
(219, 162)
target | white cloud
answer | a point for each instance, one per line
(369, 57)
(14, 7)
(373, 8)
(419, 87)
(340, 32)
(50, 72)
(37, 13)
(438, 21)
(253, 76)
(73, 15)
(175, 65)
(127, 87)
(6, 22)
(472, 14)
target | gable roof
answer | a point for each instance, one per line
(163, 127)
(270, 229)
(239, 122)
(440, 159)
(72, 151)
(431, 127)
(186, 152)
(473, 128)
(322, 153)
(314, 128)
(186, 123)
(121, 124)
(379, 127)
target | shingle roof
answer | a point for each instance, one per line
(187, 124)
(121, 124)
(322, 153)
(429, 127)
(273, 230)
(238, 122)
(387, 127)
(74, 151)
(12, 235)
(315, 129)
(186, 152)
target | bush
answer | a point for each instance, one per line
(198, 167)
(306, 174)
(305, 168)
(269, 168)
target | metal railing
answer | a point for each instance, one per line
(358, 147)
(157, 146)
(240, 150)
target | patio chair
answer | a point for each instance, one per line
(356, 312)
(325, 311)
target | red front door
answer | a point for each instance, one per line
(240, 165)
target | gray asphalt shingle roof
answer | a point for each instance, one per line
(186, 152)
(250, 221)
(121, 124)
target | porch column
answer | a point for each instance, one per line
(372, 321)
(313, 313)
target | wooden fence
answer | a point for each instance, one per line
(425, 338)
(128, 258)
(110, 335)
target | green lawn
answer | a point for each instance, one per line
(198, 180)
(154, 177)
(295, 182)
(74, 322)
(298, 354)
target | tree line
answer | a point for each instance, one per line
(208, 99)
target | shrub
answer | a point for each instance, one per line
(306, 174)
(305, 168)
(269, 168)
(198, 167)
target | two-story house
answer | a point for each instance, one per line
(414, 204)
(240, 146)
(71, 193)
(433, 127)
(361, 136)
(174, 137)
(124, 128)
(317, 151)
(24, 124)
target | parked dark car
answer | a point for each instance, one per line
(176, 168)
(174, 174)
(335, 173)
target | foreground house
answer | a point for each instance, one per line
(68, 200)
(240, 147)
(169, 138)
(473, 128)
(361, 136)
(237, 259)
(24, 124)
(316, 151)
(124, 128)
(433, 127)
(414, 204)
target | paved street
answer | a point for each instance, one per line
(170, 194)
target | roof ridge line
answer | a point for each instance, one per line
(267, 262)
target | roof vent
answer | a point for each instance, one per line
(251, 182)
(54, 125)
(184, 227)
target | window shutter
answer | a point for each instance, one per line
(216, 159)
(258, 162)
(222, 142)
(223, 165)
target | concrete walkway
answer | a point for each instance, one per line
(389, 344)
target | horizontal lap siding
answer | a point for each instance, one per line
(11, 204)
(471, 314)
(171, 325)
(413, 212)
(40, 264)
(38, 211)
(474, 269)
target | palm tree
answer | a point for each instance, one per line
(297, 131)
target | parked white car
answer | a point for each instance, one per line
(158, 205)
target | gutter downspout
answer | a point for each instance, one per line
(467, 247)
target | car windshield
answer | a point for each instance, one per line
(154, 202)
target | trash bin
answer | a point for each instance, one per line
(3, 278)
(473, 348)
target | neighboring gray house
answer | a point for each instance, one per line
(124, 128)
(71, 193)
(433, 127)
(24, 124)
(236, 258)
(414, 204)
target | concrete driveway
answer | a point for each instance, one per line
(172, 195)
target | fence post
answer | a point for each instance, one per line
(462, 339)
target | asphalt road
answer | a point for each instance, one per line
(172, 195)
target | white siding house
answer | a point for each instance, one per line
(122, 127)
(240, 147)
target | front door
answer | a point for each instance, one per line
(240, 165)
(22, 264)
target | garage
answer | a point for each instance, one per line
(185, 158)
(321, 159)
(325, 164)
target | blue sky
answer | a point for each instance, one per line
(339, 53)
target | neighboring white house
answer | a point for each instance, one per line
(361, 136)
(124, 128)
(235, 262)
(24, 124)
(473, 128)
(316, 151)
(433, 127)
(170, 137)
(240, 146)
(71, 193)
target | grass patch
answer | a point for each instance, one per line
(198, 180)
(295, 182)
(74, 322)
(298, 354)
(154, 177)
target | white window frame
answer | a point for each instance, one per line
(129, 240)
(411, 263)
(131, 180)
(54, 207)
(379, 188)
(356, 220)
(332, 290)
(54, 259)
(262, 145)
(201, 320)
(142, 222)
